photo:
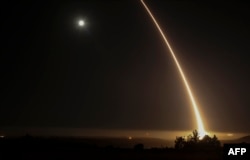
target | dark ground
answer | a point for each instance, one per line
(74, 148)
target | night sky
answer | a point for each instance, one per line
(116, 72)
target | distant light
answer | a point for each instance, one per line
(81, 23)
(2, 136)
(129, 137)
(230, 134)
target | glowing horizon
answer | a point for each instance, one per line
(200, 125)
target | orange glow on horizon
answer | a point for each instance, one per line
(200, 126)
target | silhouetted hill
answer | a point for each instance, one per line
(122, 142)
(245, 139)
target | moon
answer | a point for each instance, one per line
(81, 23)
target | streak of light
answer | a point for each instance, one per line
(201, 129)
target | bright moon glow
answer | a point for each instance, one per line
(81, 23)
(201, 129)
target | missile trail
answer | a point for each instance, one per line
(201, 129)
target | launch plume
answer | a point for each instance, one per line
(200, 126)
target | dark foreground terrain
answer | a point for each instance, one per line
(72, 148)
